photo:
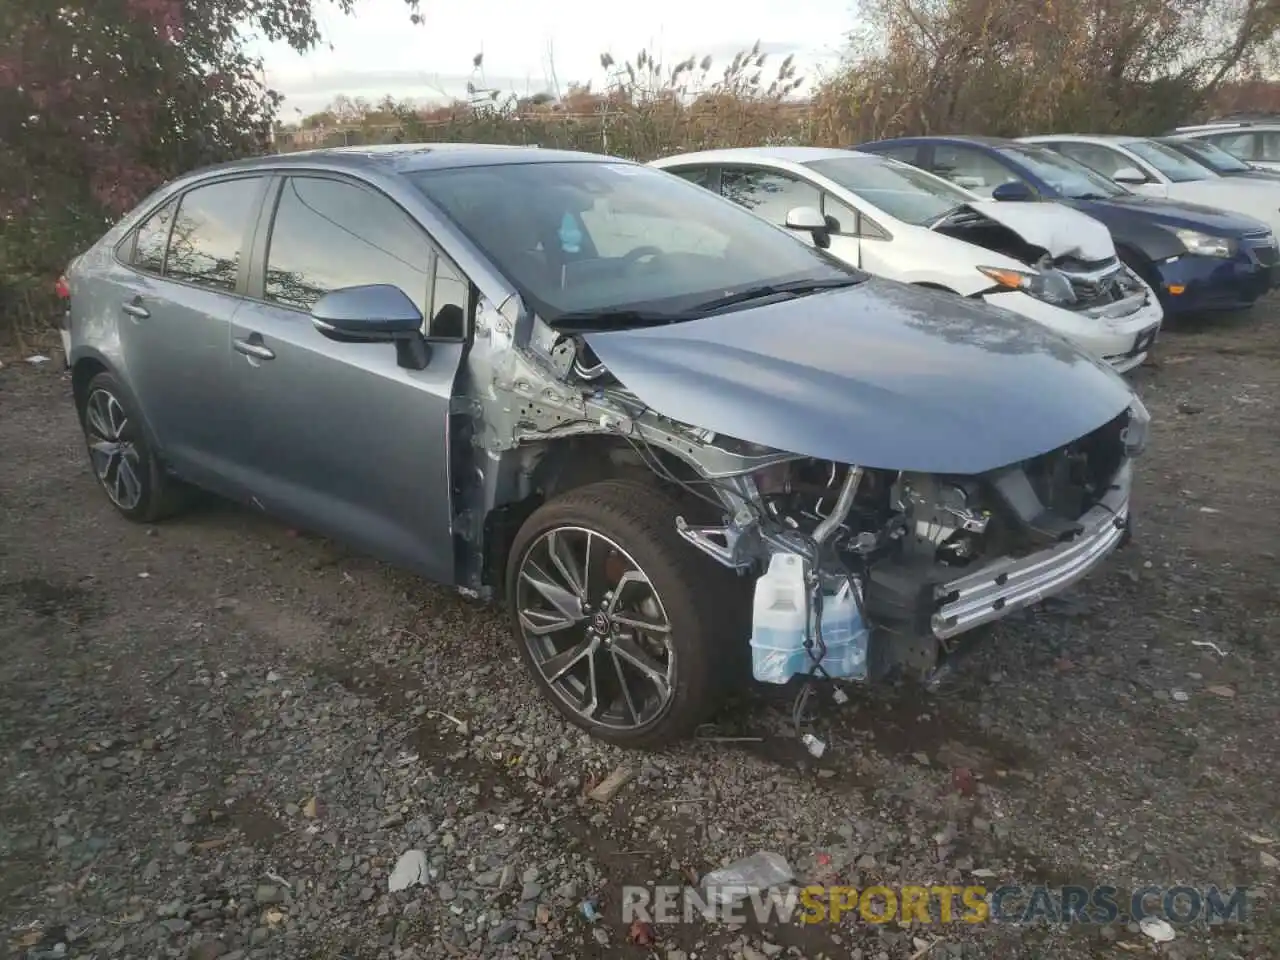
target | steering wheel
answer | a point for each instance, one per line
(632, 258)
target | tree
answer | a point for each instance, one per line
(1025, 66)
(101, 101)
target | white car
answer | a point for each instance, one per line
(1044, 261)
(1157, 170)
(1253, 141)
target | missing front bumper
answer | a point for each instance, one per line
(1012, 584)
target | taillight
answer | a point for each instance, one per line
(62, 289)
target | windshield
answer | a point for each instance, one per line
(1066, 177)
(901, 191)
(1215, 158)
(1176, 166)
(605, 237)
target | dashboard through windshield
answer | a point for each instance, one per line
(623, 241)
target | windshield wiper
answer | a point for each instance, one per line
(589, 321)
(794, 287)
(1091, 196)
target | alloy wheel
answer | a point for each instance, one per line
(115, 457)
(595, 628)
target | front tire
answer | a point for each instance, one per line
(612, 613)
(127, 468)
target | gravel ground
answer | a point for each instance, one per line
(218, 735)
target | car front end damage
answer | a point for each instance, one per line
(931, 553)
(1075, 284)
(934, 556)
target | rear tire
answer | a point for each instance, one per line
(587, 573)
(127, 468)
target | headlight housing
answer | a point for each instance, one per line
(1206, 245)
(1051, 286)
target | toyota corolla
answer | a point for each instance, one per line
(670, 437)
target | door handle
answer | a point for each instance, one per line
(252, 346)
(134, 308)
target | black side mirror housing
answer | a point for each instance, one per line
(374, 313)
(1014, 191)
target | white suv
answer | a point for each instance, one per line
(1256, 142)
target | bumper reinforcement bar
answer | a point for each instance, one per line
(1011, 584)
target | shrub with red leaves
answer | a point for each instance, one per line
(101, 101)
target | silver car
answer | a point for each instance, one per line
(605, 397)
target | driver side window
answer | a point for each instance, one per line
(971, 169)
(1104, 161)
(769, 193)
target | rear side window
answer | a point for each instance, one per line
(153, 238)
(328, 235)
(208, 235)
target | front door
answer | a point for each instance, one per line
(343, 440)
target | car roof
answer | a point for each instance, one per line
(414, 157)
(1116, 138)
(763, 154)
(950, 138)
(1229, 125)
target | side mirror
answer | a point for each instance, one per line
(374, 313)
(810, 220)
(1014, 191)
(1129, 175)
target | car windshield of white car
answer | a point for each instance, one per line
(621, 243)
(900, 190)
(1174, 165)
(1069, 178)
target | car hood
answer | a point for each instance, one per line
(882, 374)
(1172, 213)
(1059, 231)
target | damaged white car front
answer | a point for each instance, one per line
(1043, 261)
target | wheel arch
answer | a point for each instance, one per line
(89, 364)
(83, 370)
(554, 467)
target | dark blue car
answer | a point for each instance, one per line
(1196, 258)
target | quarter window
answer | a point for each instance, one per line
(845, 217)
(208, 235)
(769, 194)
(153, 238)
(328, 235)
(450, 303)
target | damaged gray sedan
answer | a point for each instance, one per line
(678, 444)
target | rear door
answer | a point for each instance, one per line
(185, 268)
(339, 438)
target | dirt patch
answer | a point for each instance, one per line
(218, 729)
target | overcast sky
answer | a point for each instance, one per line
(378, 51)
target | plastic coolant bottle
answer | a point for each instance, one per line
(779, 620)
(844, 633)
(780, 623)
